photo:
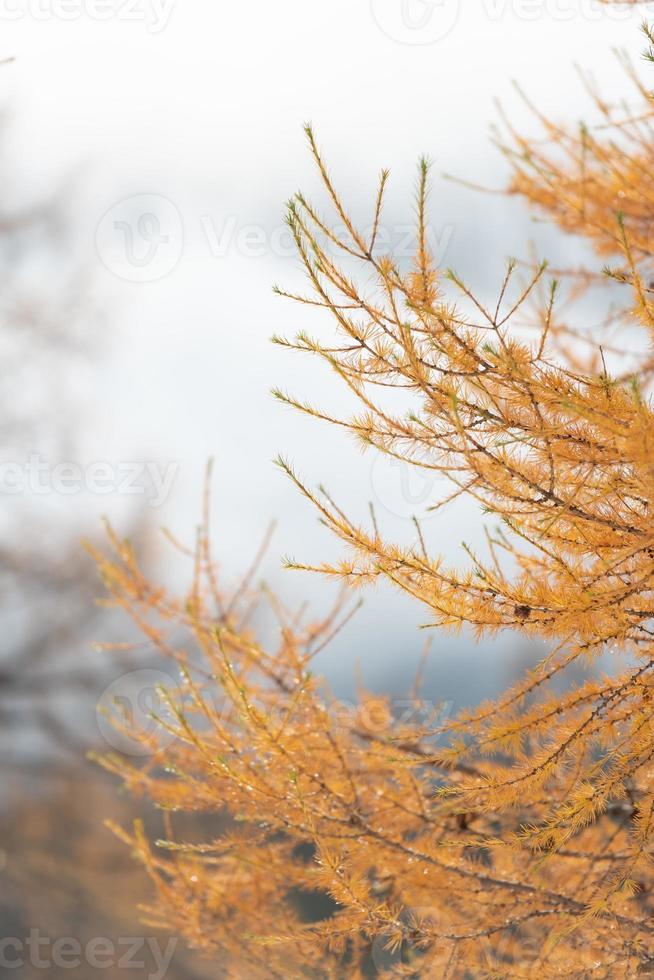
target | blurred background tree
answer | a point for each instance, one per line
(59, 870)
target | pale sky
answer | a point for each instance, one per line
(193, 110)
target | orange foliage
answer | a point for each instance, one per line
(519, 841)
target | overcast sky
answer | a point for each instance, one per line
(188, 114)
